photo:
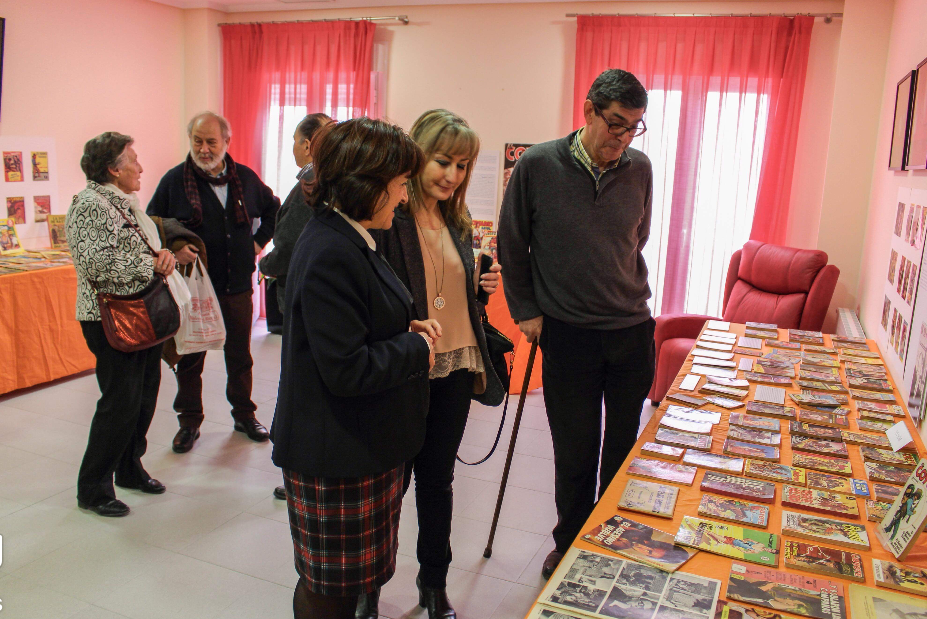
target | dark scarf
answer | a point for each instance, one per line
(236, 195)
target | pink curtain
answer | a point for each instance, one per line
(725, 103)
(322, 66)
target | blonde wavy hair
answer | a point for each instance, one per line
(441, 131)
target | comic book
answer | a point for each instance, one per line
(738, 487)
(16, 209)
(691, 414)
(822, 560)
(729, 540)
(773, 371)
(872, 395)
(714, 462)
(752, 421)
(773, 471)
(649, 498)
(725, 403)
(39, 165)
(732, 392)
(820, 399)
(760, 334)
(665, 452)
(885, 493)
(820, 501)
(748, 351)
(728, 382)
(42, 207)
(874, 425)
(894, 410)
(905, 578)
(867, 414)
(819, 446)
(57, 237)
(693, 427)
(797, 428)
(730, 610)
(871, 384)
(750, 450)
(870, 440)
(839, 398)
(825, 464)
(767, 379)
(905, 519)
(13, 166)
(733, 510)
(782, 344)
(750, 435)
(865, 372)
(796, 594)
(770, 410)
(825, 361)
(816, 385)
(844, 339)
(877, 510)
(819, 529)
(819, 375)
(674, 438)
(831, 483)
(686, 399)
(869, 603)
(639, 542)
(665, 471)
(823, 419)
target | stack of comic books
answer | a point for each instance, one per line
(820, 501)
(823, 560)
(906, 578)
(795, 594)
(733, 510)
(729, 540)
(902, 525)
(773, 471)
(738, 487)
(820, 529)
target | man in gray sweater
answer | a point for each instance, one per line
(574, 220)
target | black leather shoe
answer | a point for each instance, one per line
(368, 605)
(435, 602)
(113, 508)
(280, 493)
(152, 486)
(551, 563)
(184, 439)
(253, 428)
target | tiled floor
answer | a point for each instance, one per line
(217, 544)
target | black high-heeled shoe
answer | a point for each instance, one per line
(368, 605)
(435, 602)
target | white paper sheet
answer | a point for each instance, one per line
(483, 192)
(690, 382)
(898, 435)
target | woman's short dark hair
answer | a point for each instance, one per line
(312, 123)
(617, 85)
(355, 161)
(102, 153)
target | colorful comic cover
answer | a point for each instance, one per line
(9, 240)
(877, 510)
(905, 578)
(665, 452)
(886, 456)
(819, 446)
(819, 529)
(750, 435)
(738, 487)
(16, 209)
(817, 385)
(782, 344)
(39, 165)
(796, 594)
(825, 464)
(864, 414)
(872, 440)
(885, 493)
(42, 205)
(752, 421)
(820, 501)
(750, 450)
(674, 438)
(773, 471)
(823, 419)
(798, 428)
(874, 425)
(639, 542)
(819, 376)
(905, 519)
(665, 471)
(13, 167)
(767, 379)
(822, 560)
(869, 603)
(733, 510)
(729, 540)
(831, 483)
(870, 384)
(714, 462)
(723, 390)
(824, 350)
(725, 403)
(770, 410)
(819, 399)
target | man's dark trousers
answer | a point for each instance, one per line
(581, 366)
(236, 312)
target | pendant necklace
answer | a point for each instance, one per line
(439, 300)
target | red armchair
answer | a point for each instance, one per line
(765, 283)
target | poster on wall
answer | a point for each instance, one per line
(512, 153)
(482, 194)
(915, 372)
(30, 187)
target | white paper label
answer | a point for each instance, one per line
(690, 382)
(898, 435)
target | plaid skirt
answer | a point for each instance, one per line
(345, 530)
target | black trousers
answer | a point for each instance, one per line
(581, 366)
(129, 385)
(236, 312)
(434, 474)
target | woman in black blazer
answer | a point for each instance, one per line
(354, 374)
(430, 248)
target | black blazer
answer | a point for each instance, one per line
(353, 390)
(402, 249)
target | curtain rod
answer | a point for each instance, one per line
(828, 17)
(400, 18)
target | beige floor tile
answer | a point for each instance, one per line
(516, 603)
(26, 600)
(265, 601)
(37, 481)
(522, 509)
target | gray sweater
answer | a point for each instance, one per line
(570, 252)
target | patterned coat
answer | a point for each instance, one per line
(105, 248)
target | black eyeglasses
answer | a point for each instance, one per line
(617, 129)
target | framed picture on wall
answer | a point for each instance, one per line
(916, 158)
(902, 124)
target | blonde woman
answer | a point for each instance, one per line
(430, 248)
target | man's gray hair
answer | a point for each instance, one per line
(224, 125)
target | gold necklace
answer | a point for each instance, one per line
(439, 301)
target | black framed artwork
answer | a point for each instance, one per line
(900, 128)
(916, 159)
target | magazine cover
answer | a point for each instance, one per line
(751, 450)
(816, 385)
(865, 372)
(864, 414)
(874, 425)
(9, 241)
(877, 471)
(601, 586)
(785, 372)
(755, 422)
(819, 375)
(773, 471)
(39, 165)
(649, 498)
(872, 395)
(639, 542)
(872, 440)
(831, 483)
(869, 603)
(714, 462)
(797, 428)
(770, 410)
(822, 560)
(729, 540)
(16, 209)
(674, 438)
(767, 379)
(738, 487)
(819, 529)
(825, 464)
(889, 409)
(57, 238)
(662, 451)
(664, 471)
(819, 446)
(871, 384)
(906, 578)
(819, 399)
(876, 511)
(730, 610)
(13, 166)
(797, 594)
(905, 519)
(885, 493)
(751, 435)
(820, 501)
(42, 206)
(733, 510)
(823, 419)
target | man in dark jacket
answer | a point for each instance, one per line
(219, 200)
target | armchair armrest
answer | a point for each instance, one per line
(819, 297)
(671, 326)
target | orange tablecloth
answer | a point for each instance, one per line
(715, 566)
(498, 312)
(40, 340)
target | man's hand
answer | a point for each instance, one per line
(531, 327)
(429, 327)
(490, 281)
(257, 249)
(187, 254)
(164, 263)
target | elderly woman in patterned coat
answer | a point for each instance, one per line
(111, 256)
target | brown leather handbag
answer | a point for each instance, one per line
(140, 320)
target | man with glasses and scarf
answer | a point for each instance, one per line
(574, 221)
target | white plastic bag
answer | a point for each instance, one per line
(202, 328)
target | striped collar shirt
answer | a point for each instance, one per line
(579, 152)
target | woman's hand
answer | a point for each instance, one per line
(164, 262)
(429, 327)
(431, 347)
(490, 281)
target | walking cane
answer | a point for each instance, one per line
(508, 459)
